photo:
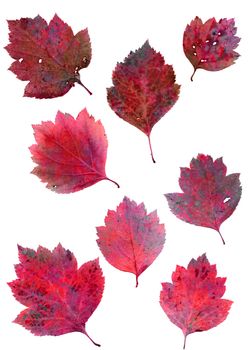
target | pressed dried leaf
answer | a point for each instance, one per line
(70, 153)
(211, 45)
(144, 89)
(193, 300)
(209, 195)
(49, 56)
(59, 297)
(131, 239)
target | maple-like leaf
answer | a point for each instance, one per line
(144, 89)
(131, 239)
(59, 297)
(209, 195)
(193, 301)
(48, 56)
(211, 45)
(70, 153)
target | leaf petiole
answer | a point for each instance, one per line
(96, 344)
(77, 80)
(114, 182)
(221, 237)
(195, 69)
(151, 150)
(185, 338)
(136, 283)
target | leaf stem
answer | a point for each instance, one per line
(77, 80)
(185, 338)
(151, 150)
(91, 339)
(114, 182)
(195, 69)
(221, 237)
(136, 284)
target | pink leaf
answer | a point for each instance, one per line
(144, 89)
(131, 239)
(59, 297)
(70, 153)
(48, 56)
(210, 45)
(209, 195)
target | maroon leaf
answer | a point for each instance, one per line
(70, 153)
(144, 89)
(131, 239)
(210, 45)
(48, 56)
(59, 297)
(209, 196)
(193, 301)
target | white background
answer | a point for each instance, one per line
(211, 117)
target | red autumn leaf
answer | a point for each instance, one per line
(59, 297)
(144, 89)
(48, 56)
(70, 153)
(131, 239)
(209, 195)
(193, 301)
(211, 45)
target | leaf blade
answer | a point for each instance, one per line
(49, 56)
(211, 45)
(70, 153)
(193, 300)
(59, 297)
(209, 196)
(131, 239)
(143, 90)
